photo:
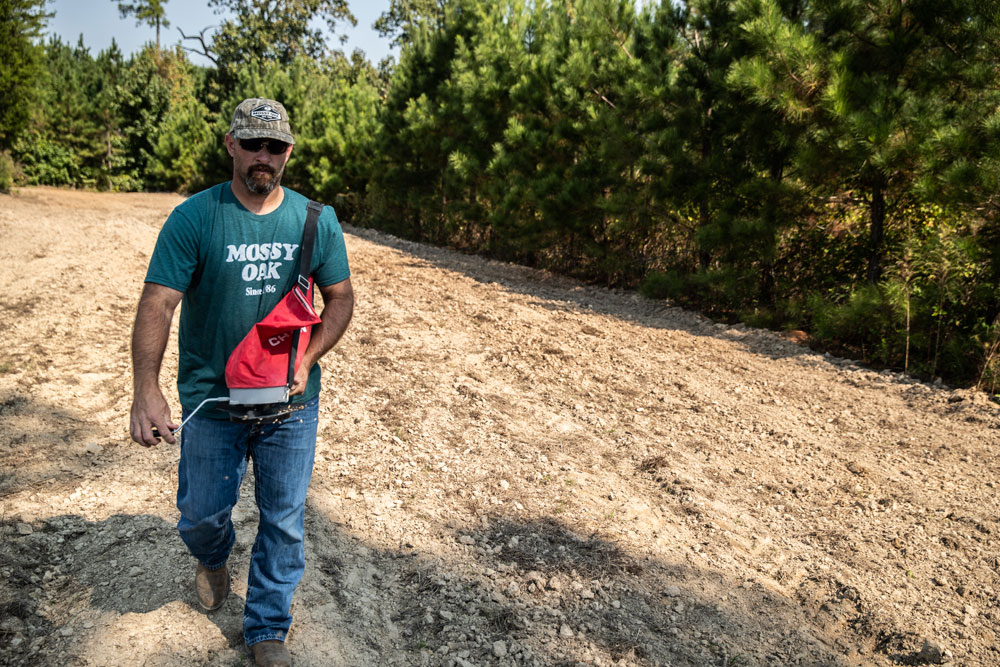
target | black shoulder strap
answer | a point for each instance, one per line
(313, 209)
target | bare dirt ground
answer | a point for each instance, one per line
(512, 469)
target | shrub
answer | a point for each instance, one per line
(6, 172)
(47, 163)
(662, 285)
(868, 322)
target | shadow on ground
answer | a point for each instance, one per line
(503, 592)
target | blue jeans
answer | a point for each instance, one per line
(214, 457)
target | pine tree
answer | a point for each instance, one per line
(273, 30)
(21, 25)
(65, 145)
(402, 17)
(407, 192)
(151, 12)
(877, 83)
(183, 142)
(565, 169)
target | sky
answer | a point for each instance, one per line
(99, 21)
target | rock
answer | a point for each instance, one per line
(134, 571)
(94, 448)
(857, 468)
(671, 591)
(24, 529)
(536, 577)
(466, 539)
(930, 653)
(499, 648)
(565, 631)
(11, 625)
(554, 584)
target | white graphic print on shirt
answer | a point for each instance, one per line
(256, 260)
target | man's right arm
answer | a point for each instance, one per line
(149, 341)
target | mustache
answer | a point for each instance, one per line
(264, 168)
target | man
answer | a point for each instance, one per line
(231, 253)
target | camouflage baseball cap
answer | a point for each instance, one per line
(259, 118)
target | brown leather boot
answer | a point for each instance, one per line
(271, 653)
(211, 586)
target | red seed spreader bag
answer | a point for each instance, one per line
(262, 358)
(261, 368)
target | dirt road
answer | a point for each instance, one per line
(512, 469)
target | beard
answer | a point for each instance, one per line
(262, 179)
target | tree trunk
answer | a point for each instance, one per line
(876, 233)
(767, 280)
(704, 214)
(766, 285)
(704, 218)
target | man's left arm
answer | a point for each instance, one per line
(338, 307)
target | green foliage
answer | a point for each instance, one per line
(7, 172)
(829, 166)
(180, 143)
(21, 24)
(884, 85)
(402, 17)
(501, 134)
(868, 323)
(64, 145)
(668, 285)
(46, 162)
(272, 31)
(101, 121)
(337, 127)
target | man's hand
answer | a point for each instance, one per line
(149, 340)
(149, 410)
(300, 380)
(338, 307)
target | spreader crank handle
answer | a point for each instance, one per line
(156, 431)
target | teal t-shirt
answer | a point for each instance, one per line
(233, 267)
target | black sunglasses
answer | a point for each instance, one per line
(274, 147)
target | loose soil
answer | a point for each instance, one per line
(512, 469)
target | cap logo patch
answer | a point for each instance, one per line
(265, 112)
